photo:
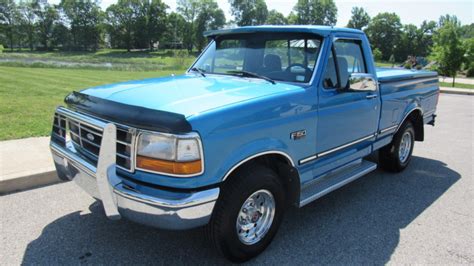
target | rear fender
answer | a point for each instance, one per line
(408, 110)
(414, 113)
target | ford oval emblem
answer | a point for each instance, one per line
(90, 136)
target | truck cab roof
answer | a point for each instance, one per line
(315, 29)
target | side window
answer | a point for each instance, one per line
(349, 59)
(350, 56)
(330, 74)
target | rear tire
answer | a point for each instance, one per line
(396, 156)
(251, 202)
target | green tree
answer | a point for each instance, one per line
(151, 23)
(469, 56)
(47, 17)
(174, 34)
(210, 17)
(446, 19)
(276, 18)
(189, 10)
(9, 20)
(408, 43)
(384, 33)
(62, 37)
(156, 24)
(359, 19)
(377, 54)
(467, 31)
(415, 41)
(85, 19)
(292, 18)
(315, 12)
(28, 18)
(448, 50)
(122, 18)
(425, 43)
(249, 12)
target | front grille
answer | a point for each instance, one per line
(86, 140)
(59, 128)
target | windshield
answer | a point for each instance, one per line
(289, 57)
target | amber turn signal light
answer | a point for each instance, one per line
(169, 167)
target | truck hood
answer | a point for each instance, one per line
(187, 94)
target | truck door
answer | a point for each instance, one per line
(348, 119)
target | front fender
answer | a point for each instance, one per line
(253, 150)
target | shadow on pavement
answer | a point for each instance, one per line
(359, 223)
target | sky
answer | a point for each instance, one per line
(410, 12)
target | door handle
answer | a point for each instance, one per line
(371, 96)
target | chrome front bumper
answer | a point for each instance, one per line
(174, 210)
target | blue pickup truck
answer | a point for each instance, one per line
(266, 118)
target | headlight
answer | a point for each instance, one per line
(178, 155)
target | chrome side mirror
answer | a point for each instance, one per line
(362, 82)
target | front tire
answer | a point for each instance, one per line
(396, 156)
(248, 213)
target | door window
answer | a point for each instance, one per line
(350, 52)
(330, 74)
(346, 58)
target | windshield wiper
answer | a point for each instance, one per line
(195, 69)
(251, 74)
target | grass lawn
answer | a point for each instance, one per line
(28, 96)
(456, 85)
(110, 59)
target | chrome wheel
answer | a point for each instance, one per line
(405, 147)
(255, 217)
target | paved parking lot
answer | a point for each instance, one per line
(423, 215)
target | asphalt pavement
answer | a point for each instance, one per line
(421, 216)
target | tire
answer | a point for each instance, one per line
(396, 156)
(264, 186)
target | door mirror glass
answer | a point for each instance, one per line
(361, 82)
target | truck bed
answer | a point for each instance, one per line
(404, 90)
(385, 75)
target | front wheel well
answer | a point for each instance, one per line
(283, 167)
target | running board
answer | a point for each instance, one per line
(332, 181)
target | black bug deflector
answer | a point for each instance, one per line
(134, 116)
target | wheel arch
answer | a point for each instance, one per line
(415, 116)
(281, 163)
